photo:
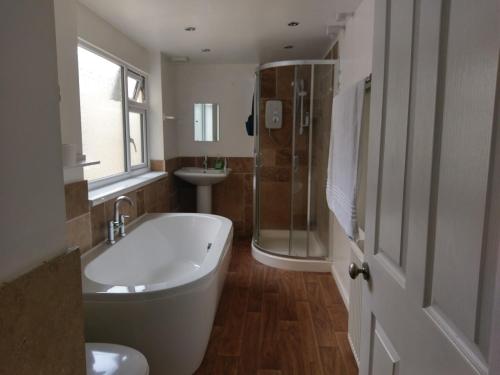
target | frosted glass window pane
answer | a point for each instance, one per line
(136, 122)
(101, 114)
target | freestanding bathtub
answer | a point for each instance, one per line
(157, 289)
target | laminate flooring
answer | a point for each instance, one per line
(275, 322)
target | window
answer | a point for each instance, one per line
(113, 107)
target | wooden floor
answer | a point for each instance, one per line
(274, 322)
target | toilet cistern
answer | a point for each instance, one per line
(118, 221)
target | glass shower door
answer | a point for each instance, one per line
(322, 89)
(300, 162)
(291, 215)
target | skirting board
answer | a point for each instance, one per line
(342, 282)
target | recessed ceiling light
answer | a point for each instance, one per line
(190, 28)
(205, 50)
(288, 47)
(293, 23)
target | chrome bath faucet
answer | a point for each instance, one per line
(118, 221)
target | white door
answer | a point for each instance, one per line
(432, 198)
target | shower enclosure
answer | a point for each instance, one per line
(291, 157)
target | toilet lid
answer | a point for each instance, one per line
(112, 359)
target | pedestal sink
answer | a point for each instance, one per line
(203, 179)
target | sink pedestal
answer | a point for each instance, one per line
(204, 199)
(203, 178)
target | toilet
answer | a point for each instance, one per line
(112, 359)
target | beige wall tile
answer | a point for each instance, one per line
(41, 320)
(157, 165)
(98, 224)
(79, 232)
(76, 197)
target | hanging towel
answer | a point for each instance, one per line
(341, 185)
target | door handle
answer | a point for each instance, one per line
(354, 271)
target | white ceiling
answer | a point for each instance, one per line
(236, 31)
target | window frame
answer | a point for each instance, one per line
(128, 105)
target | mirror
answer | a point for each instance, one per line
(206, 122)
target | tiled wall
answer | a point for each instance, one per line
(41, 320)
(87, 226)
(231, 198)
(276, 150)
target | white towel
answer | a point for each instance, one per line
(342, 182)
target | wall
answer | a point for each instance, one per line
(86, 226)
(356, 45)
(231, 198)
(32, 198)
(169, 125)
(155, 98)
(355, 58)
(41, 315)
(100, 33)
(41, 326)
(229, 85)
(67, 68)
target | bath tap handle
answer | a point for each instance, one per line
(121, 225)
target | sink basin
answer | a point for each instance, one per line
(203, 179)
(201, 176)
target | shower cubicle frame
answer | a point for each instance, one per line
(257, 155)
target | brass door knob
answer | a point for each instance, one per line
(354, 271)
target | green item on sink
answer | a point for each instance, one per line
(219, 163)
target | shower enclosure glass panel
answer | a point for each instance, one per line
(300, 161)
(290, 172)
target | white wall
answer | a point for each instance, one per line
(32, 224)
(229, 85)
(67, 67)
(356, 45)
(169, 126)
(155, 98)
(100, 33)
(355, 58)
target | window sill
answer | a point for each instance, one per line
(111, 191)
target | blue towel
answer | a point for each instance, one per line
(249, 123)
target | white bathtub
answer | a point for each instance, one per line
(157, 289)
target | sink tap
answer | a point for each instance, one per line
(205, 163)
(118, 221)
